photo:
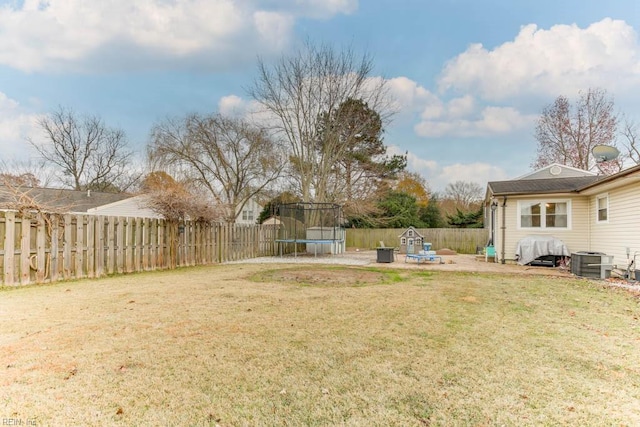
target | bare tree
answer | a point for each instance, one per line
(631, 140)
(566, 134)
(464, 194)
(174, 201)
(28, 173)
(302, 90)
(230, 158)
(22, 180)
(86, 153)
(19, 196)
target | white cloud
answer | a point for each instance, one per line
(60, 35)
(15, 127)
(478, 172)
(461, 107)
(232, 105)
(273, 28)
(464, 116)
(407, 95)
(235, 106)
(490, 121)
(438, 176)
(494, 83)
(326, 8)
(560, 60)
(414, 163)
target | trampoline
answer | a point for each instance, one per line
(317, 226)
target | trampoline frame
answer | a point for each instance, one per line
(301, 217)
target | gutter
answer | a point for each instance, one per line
(503, 228)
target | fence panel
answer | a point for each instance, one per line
(44, 247)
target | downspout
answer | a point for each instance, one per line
(504, 229)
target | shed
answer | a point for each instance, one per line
(411, 241)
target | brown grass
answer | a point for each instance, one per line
(252, 345)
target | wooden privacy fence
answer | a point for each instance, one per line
(461, 240)
(45, 247)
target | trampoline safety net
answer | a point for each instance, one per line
(318, 226)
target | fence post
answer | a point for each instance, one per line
(9, 241)
(41, 255)
(137, 251)
(100, 249)
(155, 245)
(54, 264)
(25, 250)
(91, 245)
(79, 246)
(144, 249)
(66, 248)
(111, 242)
(120, 245)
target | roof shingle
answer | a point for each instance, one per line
(67, 200)
(541, 186)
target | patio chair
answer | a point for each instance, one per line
(489, 252)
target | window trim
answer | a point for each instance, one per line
(599, 197)
(543, 214)
(247, 214)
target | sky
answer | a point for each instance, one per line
(469, 78)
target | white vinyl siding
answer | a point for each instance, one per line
(622, 229)
(614, 236)
(132, 207)
(576, 238)
(249, 213)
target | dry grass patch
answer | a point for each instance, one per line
(213, 346)
(330, 276)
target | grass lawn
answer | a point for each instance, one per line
(265, 345)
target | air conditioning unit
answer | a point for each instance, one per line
(595, 265)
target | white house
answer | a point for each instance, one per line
(134, 206)
(249, 213)
(585, 211)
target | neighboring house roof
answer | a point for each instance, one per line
(273, 221)
(577, 184)
(136, 206)
(541, 186)
(57, 198)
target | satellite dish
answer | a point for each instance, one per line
(604, 153)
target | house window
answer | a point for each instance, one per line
(556, 215)
(530, 215)
(544, 214)
(602, 205)
(403, 240)
(410, 234)
(247, 215)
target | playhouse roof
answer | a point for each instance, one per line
(414, 230)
